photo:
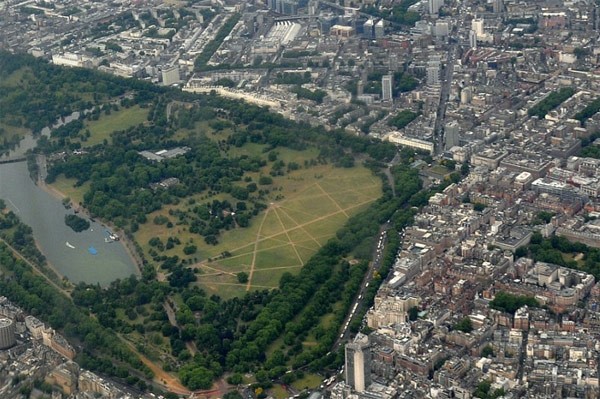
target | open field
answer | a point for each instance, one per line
(14, 78)
(8, 131)
(289, 231)
(119, 120)
(310, 381)
(66, 186)
(312, 205)
(279, 392)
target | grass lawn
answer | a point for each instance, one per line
(14, 78)
(572, 257)
(309, 381)
(119, 120)
(440, 170)
(279, 392)
(66, 187)
(9, 131)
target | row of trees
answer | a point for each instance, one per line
(590, 110)
(209, 49)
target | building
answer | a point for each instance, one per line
(411, 142)
(358, 363)
(477, 26)
(368, 29)
(433, 6)
(498, 6)
(386, 87)
(433, 73)
(64, 376)
(170, 75)
(451, 138)
(341, 31)
(473, 39)
(34, 326)
(58, 343)
(7, 333)
(380, 29)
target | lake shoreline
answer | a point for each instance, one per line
(127, 244)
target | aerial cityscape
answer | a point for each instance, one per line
(345, 199)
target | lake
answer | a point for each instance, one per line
(45, 214)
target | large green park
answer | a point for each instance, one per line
(253, 241)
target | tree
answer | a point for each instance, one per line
(487, 351)
(465, 325)
(189, 249)
(76, 223)
(235, 379)
(478, 206)
(242, 277)
(413, 313)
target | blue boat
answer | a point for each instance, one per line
(93, 251)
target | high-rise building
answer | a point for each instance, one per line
(433, 6)
(368, 31)
(442, 28)
(358, 363)
(170, 75)
(386, 87)
(433, 73)
(7, 333)
(379, 29)
(451, 135)
(498, 6)
(477, 26)
(472, 39)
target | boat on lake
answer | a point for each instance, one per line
(110, 236)
(69, 245)
(93, 251)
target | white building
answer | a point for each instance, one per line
(477, 26)
(358, 363)
(170, 75)
(433, 6)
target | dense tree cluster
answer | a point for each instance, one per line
(292, 78)
(46, 92)
(556, 250)
(20, 237)
(313, 95)
(590, 110)
(589, 149)
(509, 303)
(76, 223)
(551, 101)
(402, 118)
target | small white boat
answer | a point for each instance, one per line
(69, 245)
